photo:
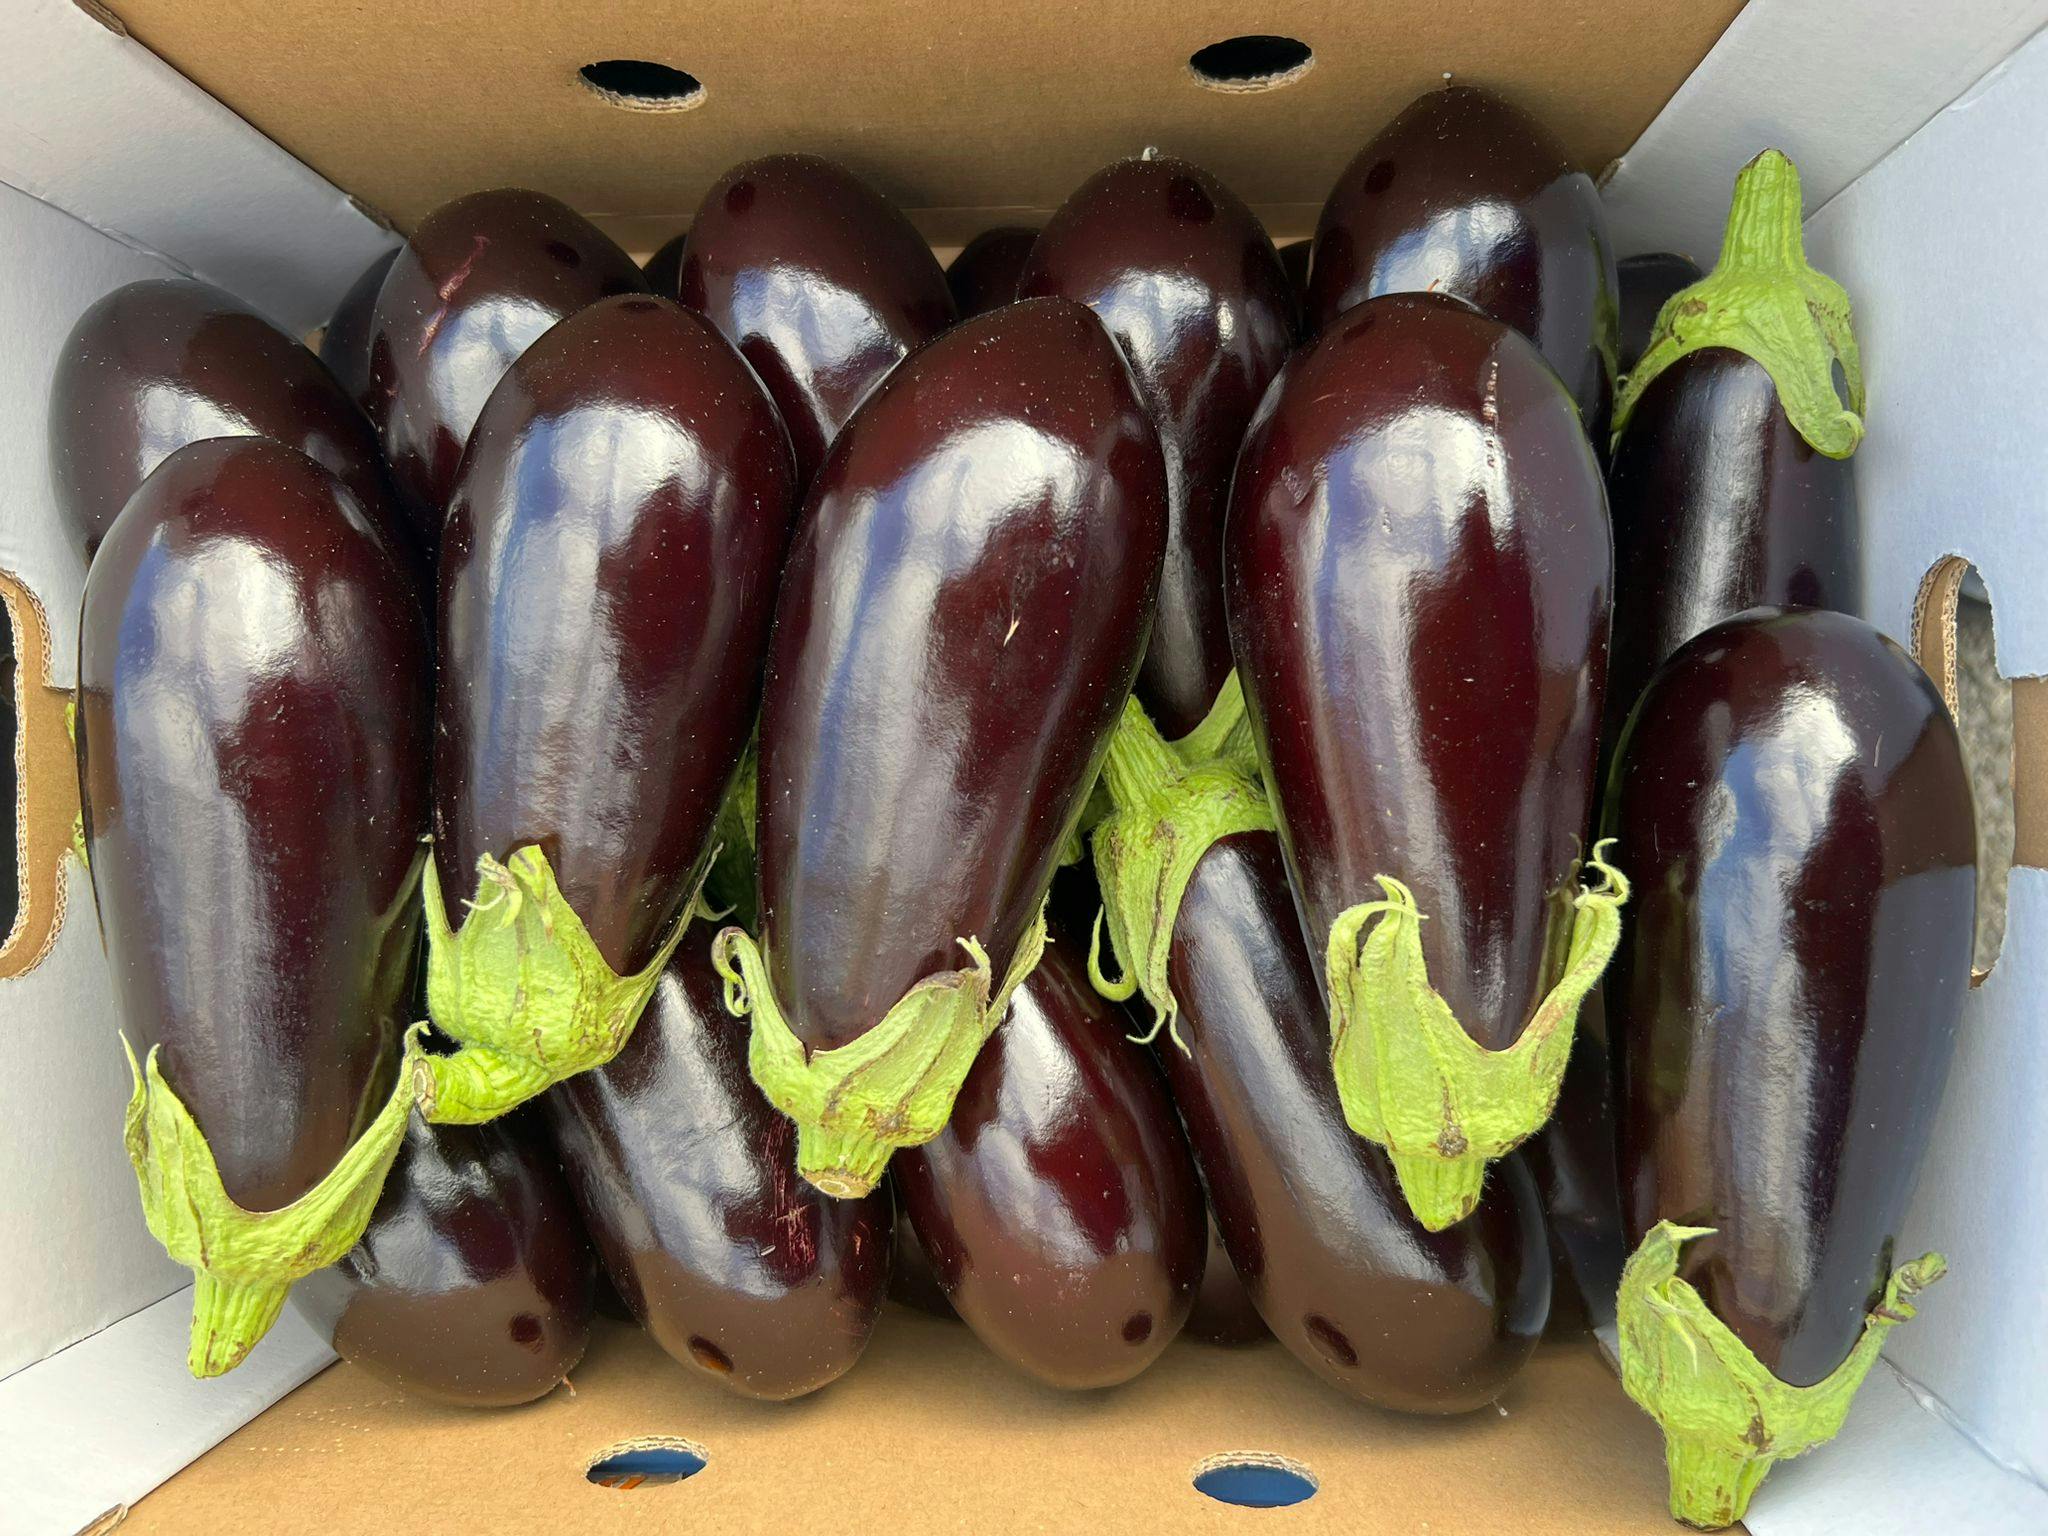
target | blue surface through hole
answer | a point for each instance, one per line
(645, 1466)
(1255, 1484)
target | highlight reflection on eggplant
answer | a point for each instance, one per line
(345, 342)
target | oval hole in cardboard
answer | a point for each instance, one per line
(1257, 61)
(1954, 640)
(652, 1461)
(10, 779)
(1254, 1480)
(640, 85)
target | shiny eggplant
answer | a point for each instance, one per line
(1784, 1010)
(1644, 283)
(345, 343)
(984, 275)
(253, 733)
(1184, 277)
(1059, 1207)
(663, 269)
(1223, 1312)
(1419, 565)
(1466, 195)
(1721, 502)
(687, 1180)
(1312, 1217)
(472, 1285)
(607, 584)
(170, 361)
(1572, 1162)
(481, 279)
(965, 606)
(819, 280)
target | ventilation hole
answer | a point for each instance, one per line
(1953, 635)
(650, 1462)
(10, 727)
(1256, 62)
(1254, 1480)
(709, 1355)
(1329, 1340)
(1138, 1328)
(643, 86)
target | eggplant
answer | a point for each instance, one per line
(170, 361)
(663, 270)
(1419, 566)
(1784, 1009)
(984, 275)
(1184, 277)
(606, 589)
(1572, 1162)
(963, 613)
(911, 1280)
(1223, 1313)
(1645, 283)
(819, 281)
(473, 1283)
(687, 1180)
(1059, 1207)
(1727, 493)
(1467, 195)
(345, 343)
(253, 750)
(480, 280)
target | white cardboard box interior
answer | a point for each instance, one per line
(1921, 135)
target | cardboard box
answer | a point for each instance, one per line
(270, 148)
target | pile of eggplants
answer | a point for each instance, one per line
(1374, 637)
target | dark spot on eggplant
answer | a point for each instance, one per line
(1359, 327)
(739, 197)
(526, 1331)
(637, 306)
(1380, 177)
(1139, 1328)
(710, 1356)
(1188, 201)
(1330, 1340)
(564, 253)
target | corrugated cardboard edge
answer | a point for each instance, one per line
(46, 784)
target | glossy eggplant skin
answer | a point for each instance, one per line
(345, 343)
(481, 279)
(1059, 1207)
(253, 727)
(1223, 1312)
(1785, 1000)
(473, 1284)
(1466, 195)
(819, 280)
(963, 612)
(984, 275)
(1419, 567)
(1311, 1214)
(170, 361)
(606, 589)
(1644, 283)
(687, 1181)
(1572, 1162)
(1719, 505)
(663, 269)
(1184, 277)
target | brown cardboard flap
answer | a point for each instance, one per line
(950, 110)
(46, 776)
(931, 1433)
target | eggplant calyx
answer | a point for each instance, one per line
(1726, 1419)
(1169, 812)
(523, 990)
(731, 880)
(1409, 1076)
(1763, 300)
(245, 1261)
(894, 1086)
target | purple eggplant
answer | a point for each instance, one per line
(687, 1179)
(1059, 1206)
(472, 1285)
(1644, 284)
(345, 343)
(253, 750)
(1223, 1312)
(166, 362)
(819, 281)
(1419, 564)
(606, 590)
(481, 279)
(984, 275)
(1183, 276)
(962, 616)
(1466, 195)
(1784, 1010)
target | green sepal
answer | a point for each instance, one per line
(1726, 1419)
(1764, 301)
(1410, 1077)
(730, 884)
(893, 1087)
(246, 1261)
(1170, 810)
(523, 990)
(1224, 723)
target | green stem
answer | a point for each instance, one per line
(228, 1318)
(1710, 1484)
(1140, 768)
